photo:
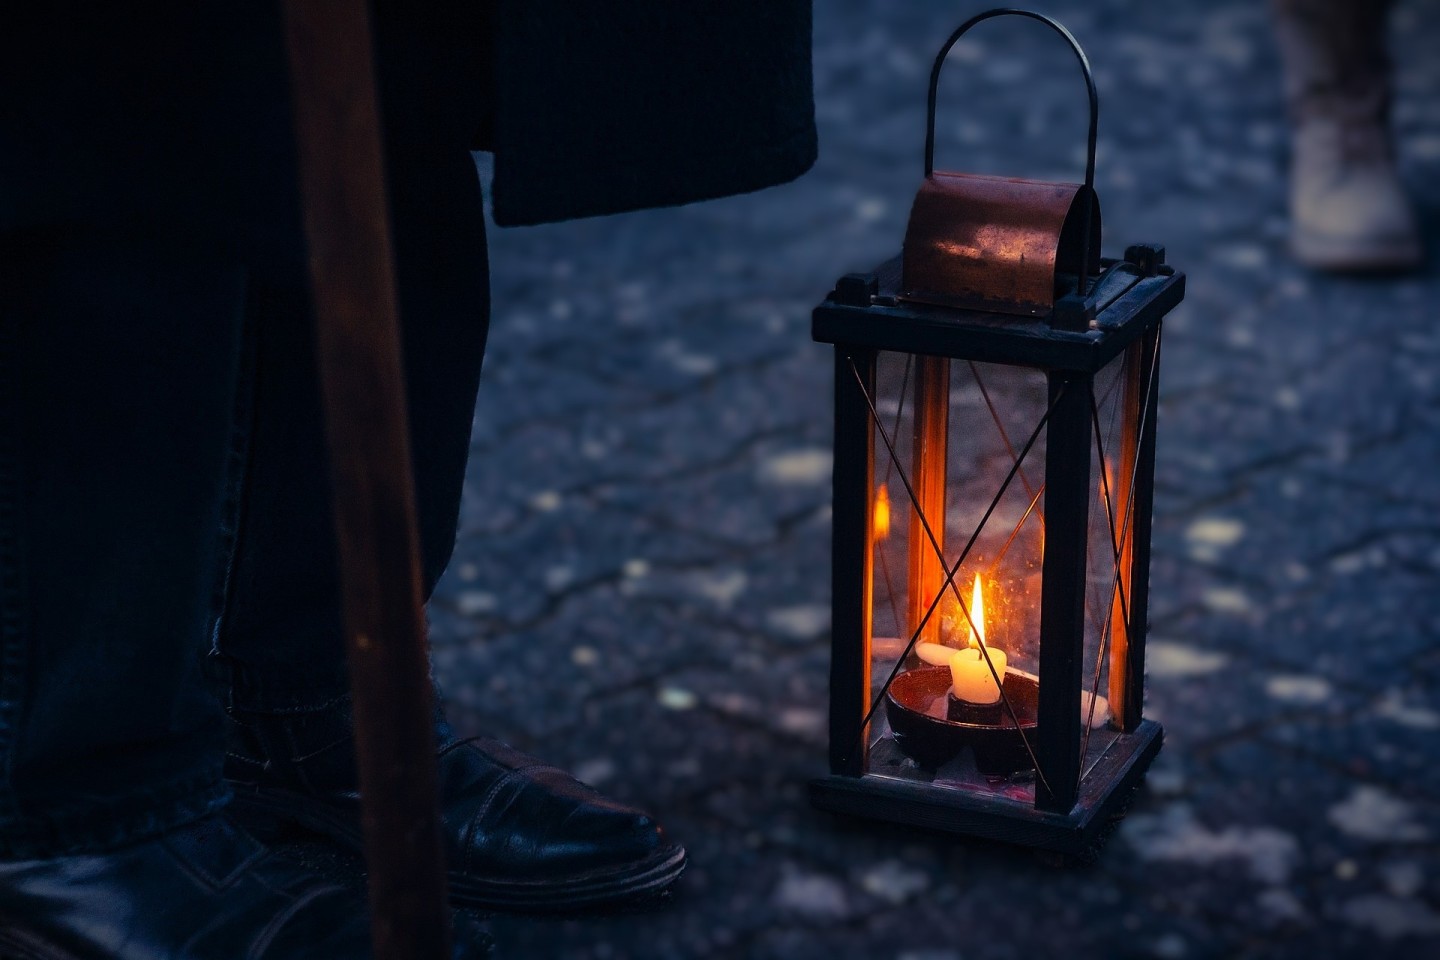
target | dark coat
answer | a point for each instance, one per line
(612, 105)
(179, 121)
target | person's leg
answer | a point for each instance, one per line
(118, 358)
(118, 391)
(117, 379)
(1348, 209)
(281, 638)
(553, 843)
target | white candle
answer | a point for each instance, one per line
(935, 654)
(971, 676)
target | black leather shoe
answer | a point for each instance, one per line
(520, 835)
(204, 890)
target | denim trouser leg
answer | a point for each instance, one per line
(280, 642)
(117, 380)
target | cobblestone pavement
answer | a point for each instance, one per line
(640, 588)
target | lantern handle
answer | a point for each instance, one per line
(1089, 88)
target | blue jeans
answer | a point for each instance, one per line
(165, 517)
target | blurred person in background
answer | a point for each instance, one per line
(1348, 209)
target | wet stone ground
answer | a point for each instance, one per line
(640, 590)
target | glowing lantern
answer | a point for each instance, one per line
(1017, 373)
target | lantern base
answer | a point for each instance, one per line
(1104, 794)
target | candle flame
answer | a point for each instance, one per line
(977, 615)
(881, 516)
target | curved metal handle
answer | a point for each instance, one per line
(1090, 89)
(1029, 15)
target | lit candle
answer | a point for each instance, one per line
(971, 675)
(972, 678)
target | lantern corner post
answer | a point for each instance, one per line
(1062, 599)
(851, 579)
(1127, 691)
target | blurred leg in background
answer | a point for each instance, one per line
(1348, 210)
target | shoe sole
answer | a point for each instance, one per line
(1323, 253)
(629, 885)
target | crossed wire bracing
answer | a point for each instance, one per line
(1118, 533)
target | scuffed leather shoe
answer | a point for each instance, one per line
(206, 890)
(520, 834)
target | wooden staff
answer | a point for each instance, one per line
(352, 280)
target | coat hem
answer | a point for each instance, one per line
(550, 193)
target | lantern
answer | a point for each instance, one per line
(995, 416)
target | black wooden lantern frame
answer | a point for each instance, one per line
(1013, 344)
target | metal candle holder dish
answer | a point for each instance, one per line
(916, 708)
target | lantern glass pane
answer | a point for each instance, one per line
(1116, 413)
(947, 442)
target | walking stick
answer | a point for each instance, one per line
(353, 286)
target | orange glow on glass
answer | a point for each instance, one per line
(881, 522)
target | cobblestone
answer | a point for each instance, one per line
(640, 586)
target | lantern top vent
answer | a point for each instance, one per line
(1130, 296)
(1010, 246)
